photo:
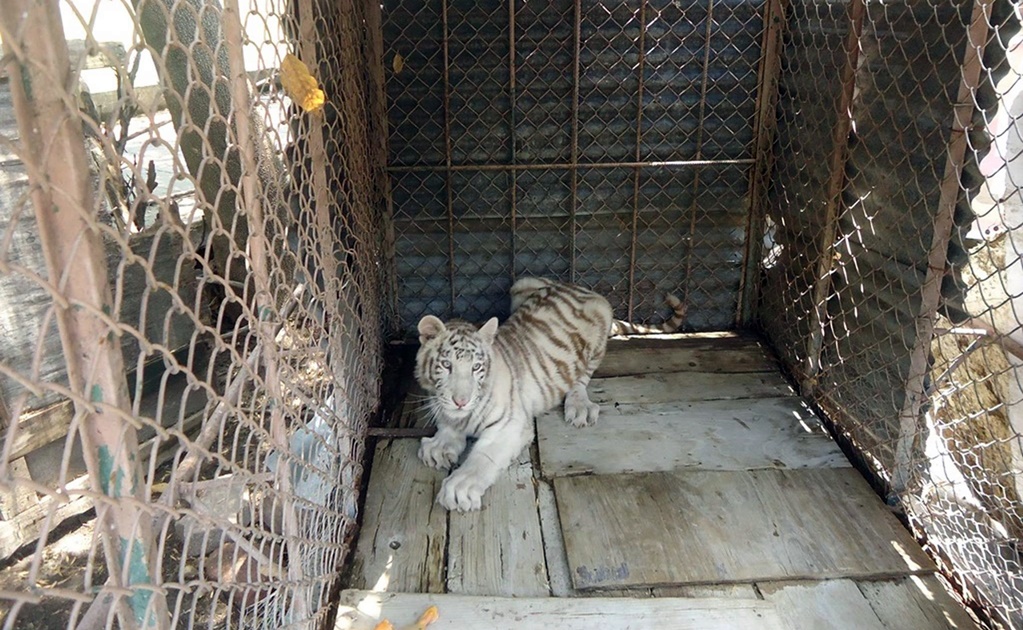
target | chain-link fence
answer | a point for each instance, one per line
(890, 272)
(193, 288)
(604, 143)
(197, 256)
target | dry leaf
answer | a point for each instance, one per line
(398, 63)
(430, 615)
(300, 85)
(384, 625)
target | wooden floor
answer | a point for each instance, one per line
(707, 496)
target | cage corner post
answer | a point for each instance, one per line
(765, 124)
(836, 184)
(69, 232)
(930, 292)
(379, 147)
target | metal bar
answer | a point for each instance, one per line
(765, 124)
(699, 152)
(836, 184)
(511, 135)
(574, 158)
(61, 191)
(566, 166)
(313, 125)
(378, 114)
(447, 153)
(639, 151)
(930, 292)
(259, 257)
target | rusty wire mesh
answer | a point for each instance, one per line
(889, 270)
(604, 143)
(193, 289)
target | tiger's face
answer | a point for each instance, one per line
(453, 363)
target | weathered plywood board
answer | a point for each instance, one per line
(705, 527)
(404, 530)
(653, 356)
(827, 605)
(553, 542)
(498, 550)
(361, 610)
(706, 435)
(707, 590)
(675, 386)
(915, 603)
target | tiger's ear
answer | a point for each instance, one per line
(429, 328)
(489, 330)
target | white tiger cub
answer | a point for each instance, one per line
(490, 382)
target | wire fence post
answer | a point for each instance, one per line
(826, 242)
(930, 292)
(55, 160)
(766, 122)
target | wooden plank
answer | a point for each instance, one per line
(40, 427)
(626, 358)
(915, 603)
(707, 435)
(360, 610)
(706, 527)
(675, 386)
(708, 590)
(27, 525)
(16, 498)
(553, 542)
(499, 550)
(831, 604)
(404, 530)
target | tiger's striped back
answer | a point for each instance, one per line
(556, 335)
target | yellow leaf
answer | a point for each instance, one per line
(384, 625)
(398, 63)
(430, 615)
(300, 85)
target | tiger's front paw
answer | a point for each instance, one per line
(439, 453)
(462, 491)
(580, 411)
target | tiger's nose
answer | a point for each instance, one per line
(459, 402)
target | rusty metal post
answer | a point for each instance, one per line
(378, 142)
(699, 150)
(65, 209)
(765, 124)
(826, 243)
(259, 256)
(447, 153)
(574, 159)
(513, 175)
(930, 292)
(639, 154)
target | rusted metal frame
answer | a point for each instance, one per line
(687, 288)
(567, 166)
(259, 257)
(765, 125)
(574, 156)
(930, 292)
(512, 133)
(57, 166)
(314, 123)
(447, 152)
(378, 112)
(634, 229)
(836, 184)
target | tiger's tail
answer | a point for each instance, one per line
(621, 327)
